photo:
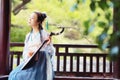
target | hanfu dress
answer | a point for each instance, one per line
(43, 68)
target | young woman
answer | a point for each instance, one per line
(43, 68)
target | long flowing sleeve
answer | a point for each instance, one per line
(30, 45)
(43, 68)
(24, 54)
(49, 48)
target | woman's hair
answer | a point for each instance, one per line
(40, 18)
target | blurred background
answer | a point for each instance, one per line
(86, 19)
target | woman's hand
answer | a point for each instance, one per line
(49, 40)
(30, 54)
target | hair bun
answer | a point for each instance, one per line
(41, 16)
(44, 15)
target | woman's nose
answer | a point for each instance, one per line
(29, 19)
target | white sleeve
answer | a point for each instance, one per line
(24, 54)
(49, 48)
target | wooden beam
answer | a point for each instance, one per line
(4, 35)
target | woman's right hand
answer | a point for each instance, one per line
(30, 54)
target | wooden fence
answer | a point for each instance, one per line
(69, 62)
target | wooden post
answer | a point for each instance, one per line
(4, 35)
(116, 19)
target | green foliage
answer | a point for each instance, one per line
(105, 38)
(94, 18)
(105, 24)
(92, 6)
(58, 13)
(17, 35)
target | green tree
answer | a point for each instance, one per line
(105, 39)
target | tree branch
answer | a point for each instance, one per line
(19, 7)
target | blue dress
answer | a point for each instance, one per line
(43, 67)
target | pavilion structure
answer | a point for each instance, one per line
(4, 35)
(5, 20)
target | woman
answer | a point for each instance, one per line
(43, 68)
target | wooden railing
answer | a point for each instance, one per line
(72, 62)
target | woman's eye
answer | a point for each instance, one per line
(31, 17)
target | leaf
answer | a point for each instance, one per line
(114, 50)
(92, 6)
(61, 0)
(104, 46)
(85, 32)
(91, 28)
(78, 1)
(98, 14)
(74, 7)
(101, 24)
(83, 1)
(87, 23)
(111, 4)
(103, 4)
(107, 16)
(102, 36)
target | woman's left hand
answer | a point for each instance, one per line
(49, 40)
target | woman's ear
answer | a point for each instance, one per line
(38, 23)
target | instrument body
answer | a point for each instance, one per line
(31, 61)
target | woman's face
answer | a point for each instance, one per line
(33, 20)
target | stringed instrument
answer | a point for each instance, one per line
(31, 61)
